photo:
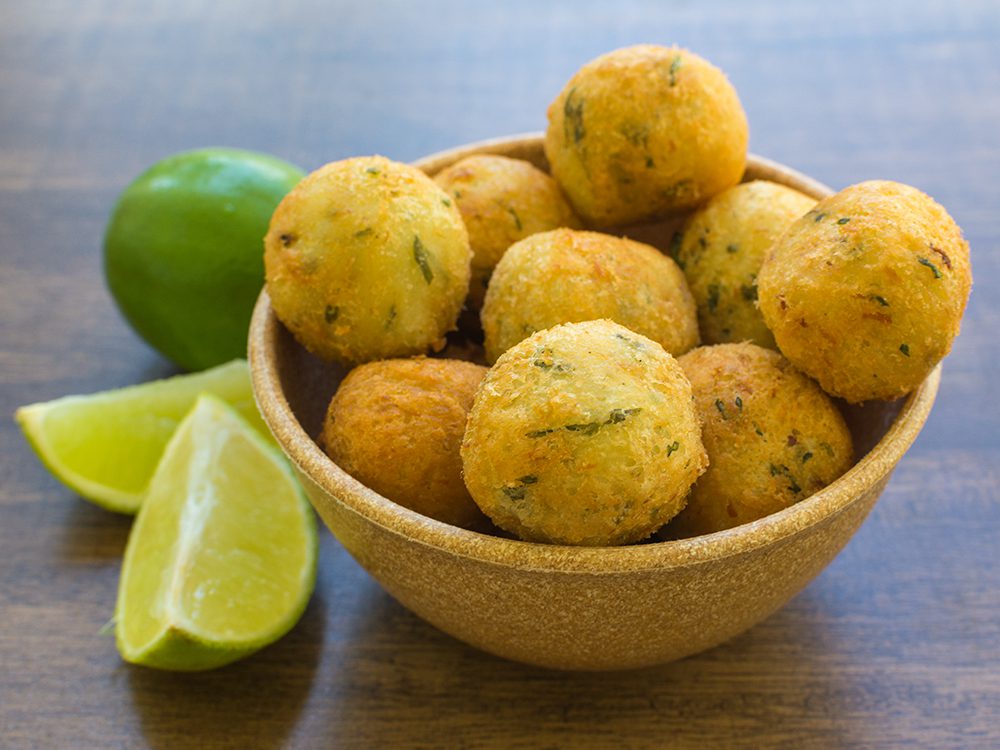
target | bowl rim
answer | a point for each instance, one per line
(395, 519)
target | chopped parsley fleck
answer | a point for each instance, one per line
(420, 256)
(636, 134)
(806, 456)
(618, 415)
(650, 163)
(756, 428)
(372, 170)
(630, 342)
(331, 313)
(390, 318)
(364, 232)
(588, 428)
(881, 300)
(844, 220)
(681, 186)
(545, 361)
(739, 403)
(819, 216)
(446, 201)
(674, 446)
(732, 248)
(721, 407)
(905, 349)
(749, 292)
(573, 117)
(713, 297)
(784, 471)
(924, 262)
(515, 217)
(539, 433)
(514, 493)
(527, 479)
(675, 65)
(287, 239)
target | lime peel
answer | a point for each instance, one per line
(105, 446)
(221, 560)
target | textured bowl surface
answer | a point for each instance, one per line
(569, 607)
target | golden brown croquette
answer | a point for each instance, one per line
(365, 259)
(502, 200)
(645, 131)
(866, 292)
(773, 437)
(397, 425)
(583, 434)
(721, 248)
(566, 276)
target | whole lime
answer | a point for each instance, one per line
(183, 251)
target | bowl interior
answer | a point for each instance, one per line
(293, 388)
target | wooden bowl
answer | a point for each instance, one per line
(576, 607)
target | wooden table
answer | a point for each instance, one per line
(896, 644)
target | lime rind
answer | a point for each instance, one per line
(177, 641)
(105, 446)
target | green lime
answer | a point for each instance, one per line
(221, 560)
(183, 251)
(106, 445)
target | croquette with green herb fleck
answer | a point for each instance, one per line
(502, 200)
(773, 437)
(567, 275)
(721, 248)
(866, 292)
(396, 426)
(365, 259)
(643, 132)
(583, 434)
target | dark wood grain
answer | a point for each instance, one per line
(896, 644)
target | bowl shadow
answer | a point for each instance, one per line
(412, 686)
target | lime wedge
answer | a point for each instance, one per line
(222, 557)
(105, 446)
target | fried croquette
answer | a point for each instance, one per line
(397, 425)
(566, 276)
(721, 248)
(773, 437)
(502, 200)
(866, 292)
(583, 434)
(365, 259)
(645, 131)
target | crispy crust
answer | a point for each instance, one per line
(567, 276)
(502, 200)
(645, 131)
(866, 292)
(397, 425)
(721, 249)
(365, 259)
(773, 437)
(583, 434)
